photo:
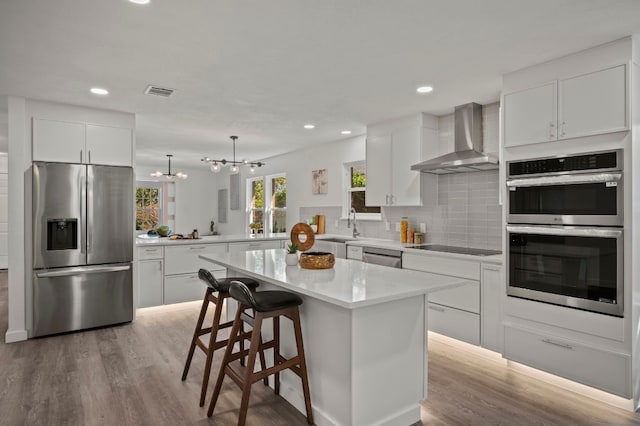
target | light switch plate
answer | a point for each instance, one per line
(423, 227)
(398, 227)
(387, 226)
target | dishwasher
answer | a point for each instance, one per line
(382, 256)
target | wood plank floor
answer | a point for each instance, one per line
(130, 375)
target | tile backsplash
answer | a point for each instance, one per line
(467, 214)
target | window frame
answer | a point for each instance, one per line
(267, 209)
(148, 184)
(348, 189)
(249, 197)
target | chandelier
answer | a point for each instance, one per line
(169, 175)
(216, 165)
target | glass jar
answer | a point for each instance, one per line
(404, 225)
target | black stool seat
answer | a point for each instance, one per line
(223, 285)
(264, 301)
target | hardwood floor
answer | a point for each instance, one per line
(130, 374)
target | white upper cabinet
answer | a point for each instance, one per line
(392, 148)
(589, 104)
(593, 103)
(109, 145)
(58, 141)
(405, 151)
(77, 142)
(378, 170)
(530, 115)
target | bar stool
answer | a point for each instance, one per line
(222, 288)
(265, 304)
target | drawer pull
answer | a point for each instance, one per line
(436, 308)
(151, 250)
(562, 345)
(196, 248)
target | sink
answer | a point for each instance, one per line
(340, 240)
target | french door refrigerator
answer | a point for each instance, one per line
(82, 246)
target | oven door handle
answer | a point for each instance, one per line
(571, 231)
(565, 180)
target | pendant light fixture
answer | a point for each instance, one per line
(169, 175)
(216, 165)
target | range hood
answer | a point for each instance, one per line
(468, 155)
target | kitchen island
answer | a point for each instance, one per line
(364, 330)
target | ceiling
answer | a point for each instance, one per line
(261, 69)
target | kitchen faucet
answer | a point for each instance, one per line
(355, 229)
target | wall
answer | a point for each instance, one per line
(195, 197)
(298, 166)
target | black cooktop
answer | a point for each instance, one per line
(458, 250)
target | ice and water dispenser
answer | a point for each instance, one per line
(62, 234)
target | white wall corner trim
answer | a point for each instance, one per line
(19, 155)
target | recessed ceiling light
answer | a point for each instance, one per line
(309, 126)
(99, 91)
(424, 89)
(345, 132)
(140, 1)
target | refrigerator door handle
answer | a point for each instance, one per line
(83, 213)
(89, 204)
(82, 270)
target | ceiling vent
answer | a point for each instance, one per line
(158, 91)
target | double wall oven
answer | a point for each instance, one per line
(565, 231)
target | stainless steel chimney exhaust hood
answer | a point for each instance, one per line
(468, 155)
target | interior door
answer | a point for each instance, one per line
(109, 214)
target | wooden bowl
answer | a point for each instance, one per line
(317, 260)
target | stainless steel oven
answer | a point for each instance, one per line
(565, 231)
(579, 267)
(584, 189)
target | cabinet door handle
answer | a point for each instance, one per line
(89, 155)
(81, 156)
(196, 248)
(551, 130)
(559, 344)
(491, 267)
(436, 308)
(386, 199)
(562, 126)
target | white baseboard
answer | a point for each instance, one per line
(12, 336)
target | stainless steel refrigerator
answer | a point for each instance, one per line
(82, 246)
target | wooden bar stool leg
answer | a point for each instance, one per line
(249, 374)
(241, 340)
(213, 338)
(192, 348)
(303, 364)
(263, 361)
(276, 353)
(233, 338)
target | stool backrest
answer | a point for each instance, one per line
(208, 279)
(242, 294)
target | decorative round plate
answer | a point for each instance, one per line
(302, 229)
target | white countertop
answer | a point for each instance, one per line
(349, 284)
(393, 244)
(209, 239)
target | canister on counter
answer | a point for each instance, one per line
(410, 235)
(404, 224)
(418, 238)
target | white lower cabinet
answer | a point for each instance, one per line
(183, 288)
(596, 367)
(455, 323)
(354, 252)
(150, 283)
(493, 292)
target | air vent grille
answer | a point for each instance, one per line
(158, 91)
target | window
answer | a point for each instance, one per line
(148, 205)
(356, 179)
(255, 204)
(278, 208)
(267, 204)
